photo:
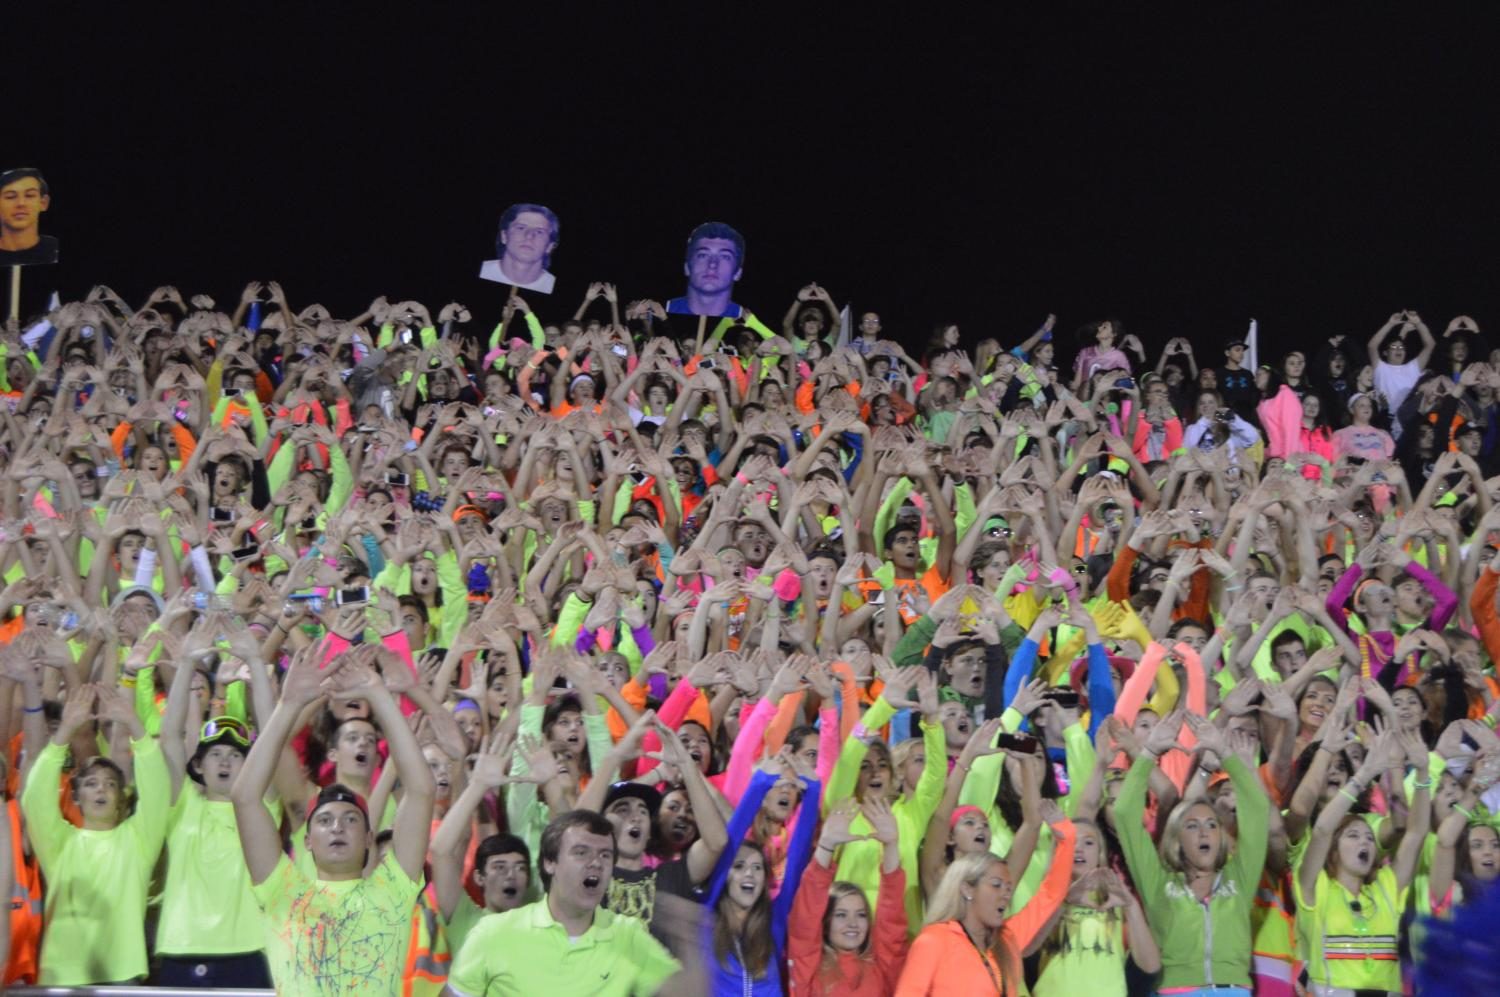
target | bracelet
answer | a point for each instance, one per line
(28, 709)
(1418, 784)
(1348, 795)
(740, 477)
(1490, 720)
(1467, 814)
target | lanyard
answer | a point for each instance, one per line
(984, 958)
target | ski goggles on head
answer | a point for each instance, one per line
(225, 729)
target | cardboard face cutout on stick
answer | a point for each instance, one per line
(714, 262)
(24, 196)
(523, 249)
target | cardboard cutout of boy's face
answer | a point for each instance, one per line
(24, 197)
(713, 267)
(22, 203)
(713, 264)
(527, 236)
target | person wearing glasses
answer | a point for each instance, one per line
(212, 932)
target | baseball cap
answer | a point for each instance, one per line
(633, 790)
(337, 793)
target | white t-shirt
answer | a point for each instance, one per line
(1396, 382)
(491, 270)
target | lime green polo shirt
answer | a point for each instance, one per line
(616, 957)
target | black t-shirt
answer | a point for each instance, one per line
(1238, 389)
(45, 251)
(633, 892)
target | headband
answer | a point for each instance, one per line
(469, 510)
(962, 812)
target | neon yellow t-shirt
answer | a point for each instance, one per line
(466, 917)
(95, 912)
(207, 907)
(1084, 954)
(336, 938)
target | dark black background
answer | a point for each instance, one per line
(1182, 174)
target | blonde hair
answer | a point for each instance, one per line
(948, 903)
(900, 756)
(1170, 847)
(1082, 824)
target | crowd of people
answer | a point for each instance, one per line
(641, 652)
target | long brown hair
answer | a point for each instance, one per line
(836, 892)
(753, 943)
(1331, 863)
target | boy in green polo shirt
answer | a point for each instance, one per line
(566, 943)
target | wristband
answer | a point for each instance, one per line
(1418, 784)
(740, 477)
(1490, 721)
(1467, 814)
(38, 709)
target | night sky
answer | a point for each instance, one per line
(1180, 175)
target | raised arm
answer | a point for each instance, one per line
(1026, 924)
(1321, 842)
(300, 688)
(1425, 334)
(491, 771)
(1419, 809)
(173, 719)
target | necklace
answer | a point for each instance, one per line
(1356, 903)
